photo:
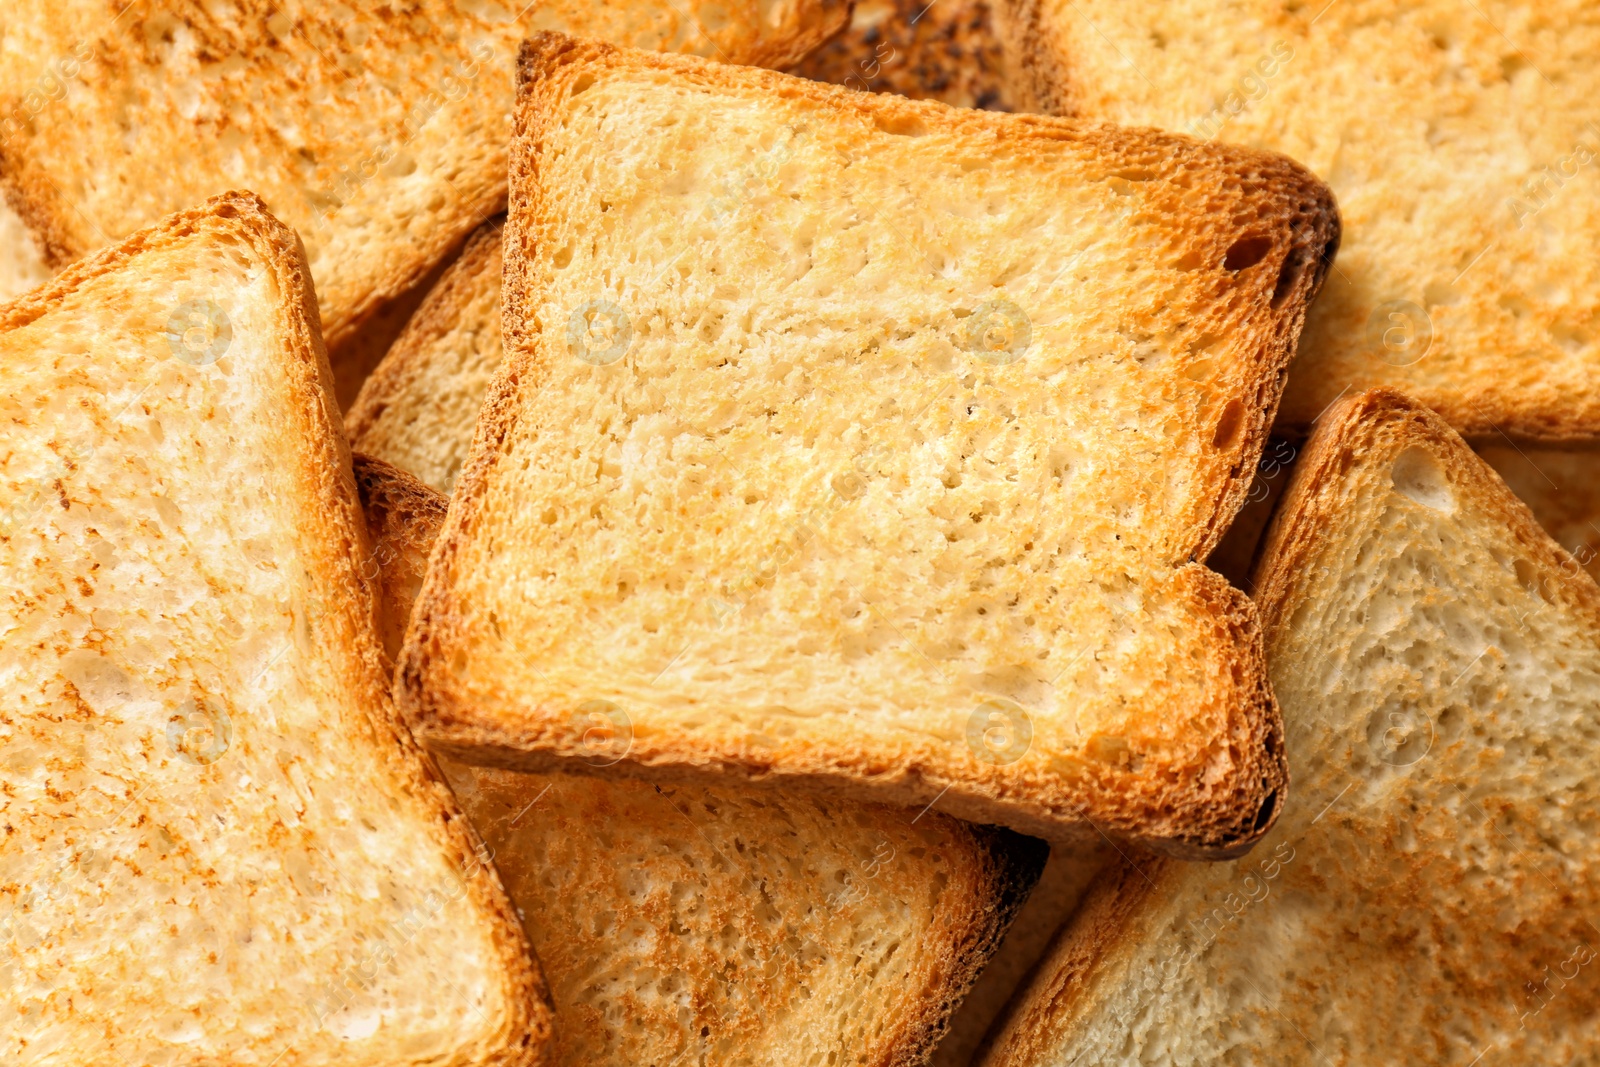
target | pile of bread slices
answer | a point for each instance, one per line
(700, 533)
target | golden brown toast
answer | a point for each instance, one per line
(865, 444)
(221, 844)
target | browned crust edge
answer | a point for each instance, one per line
(445, 720)
(1034, 72)
(1353, 431)
(325, 466)
(832, 17)
(439, 313)
(1008, 866)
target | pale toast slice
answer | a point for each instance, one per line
(928, 51)
(222, 846)
(1461, 140)
(420, 405)
(1430, 894)
(379, 135)
(687, 924)
(866, 444)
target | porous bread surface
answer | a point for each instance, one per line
(376, 130)
(731, 925)
(221, 844)
(420, 406)
(1562, 489)
(816, 520)
(1461, 141)
(1428, 895)
(22, 265)
(928, 51)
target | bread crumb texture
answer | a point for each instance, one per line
(1428, 895)
(377, 131)
(1461, 141)
(218, 845)
(868, 440)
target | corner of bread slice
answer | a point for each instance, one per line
(1437, 658)
(1037, 353)
(276, 871)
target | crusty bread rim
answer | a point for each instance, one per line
(325, 470)
(437, 316)
(1167, 817)
(1357, 429)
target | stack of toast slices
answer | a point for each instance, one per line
(1047, 532)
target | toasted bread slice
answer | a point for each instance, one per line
(1429, 894)
(677, 923)
(928, 51)
(888, 475)
(221, 845)
(22, 264)
(1460, 140)
(1562, 488)
(380, 138)
(420, 406)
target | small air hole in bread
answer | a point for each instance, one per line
(1418, 476)
(1228, 425)
(901, 125)
(1246, 252)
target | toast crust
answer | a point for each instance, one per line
(998, 868)
(324, 470)
(1211, 813)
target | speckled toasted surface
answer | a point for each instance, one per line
(1461, 140)
(928, 51)
(376, 130)
(865, 444)
(420, 406)
(728, 924)
(221, 844)
(1428, 895)
(1562, 489)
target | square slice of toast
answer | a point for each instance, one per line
(1430, 893)
(221, 844)
(1461, 139)
(378, 133)
(866, 444)
(420, 405)
(723, 923)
